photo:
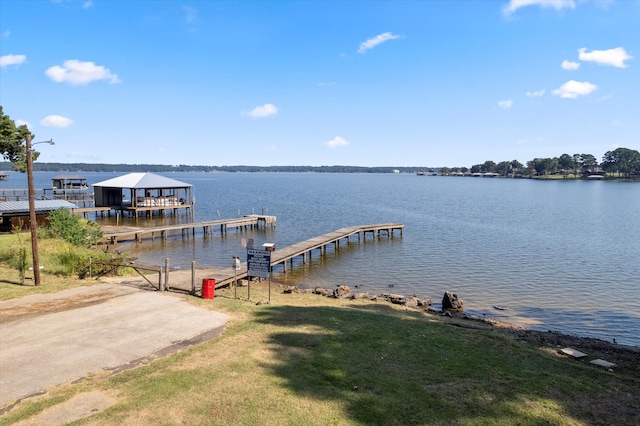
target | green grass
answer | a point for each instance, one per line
(62, 264)
(307, 360)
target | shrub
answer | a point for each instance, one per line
(72, 228)
(88, 263)
(60, 257)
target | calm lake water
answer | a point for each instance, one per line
(558, 255)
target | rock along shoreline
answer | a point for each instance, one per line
(626, 359)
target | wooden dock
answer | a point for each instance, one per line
(190, 281)
(84, 211)
(305, 248)
(163, 232)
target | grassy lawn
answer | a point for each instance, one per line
(311, 360)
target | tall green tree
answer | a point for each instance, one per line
(488, 166)
(589, 163)
(577, 164)
(622, 160)
(516, 166)
(12, 144)
(566, 163)
(543, 166)
(503, 168)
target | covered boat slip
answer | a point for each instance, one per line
(145, 193)
(73, 188)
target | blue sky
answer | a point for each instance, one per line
(366, 83)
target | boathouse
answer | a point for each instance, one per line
(143, 193)
(16, 213)
(73, 188)
(62, 183)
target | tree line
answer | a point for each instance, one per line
(621, 162)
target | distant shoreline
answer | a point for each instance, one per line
(419, 171)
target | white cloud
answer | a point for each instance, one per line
(572, 89)
(614, 57)
(570, 66)
(5, 34)
(23, 123)
(336, 142)
(514, 5)
(373, 42)
(87, 4)
(536, 94)
(505, 104)
(7, 60)
(263, 111)
(78, 72)
(56, 121)
(326, 84)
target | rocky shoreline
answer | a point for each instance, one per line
(626, 359)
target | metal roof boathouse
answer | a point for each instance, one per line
(16, 213)
(144, 193)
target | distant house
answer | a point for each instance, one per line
(16, 213)
(3, 176)
(143, 192)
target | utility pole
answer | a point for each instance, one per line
(33, 221)
(33, 225)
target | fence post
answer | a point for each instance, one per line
(160, 282)
(193, 277)
(166, 274)
(90, 263)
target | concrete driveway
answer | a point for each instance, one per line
(52, 339)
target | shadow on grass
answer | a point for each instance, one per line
(18, 283)
(391, 367)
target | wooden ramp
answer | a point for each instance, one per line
(191, 281)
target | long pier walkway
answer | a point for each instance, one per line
(189, 281)
(305, 248)
(138, 234)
